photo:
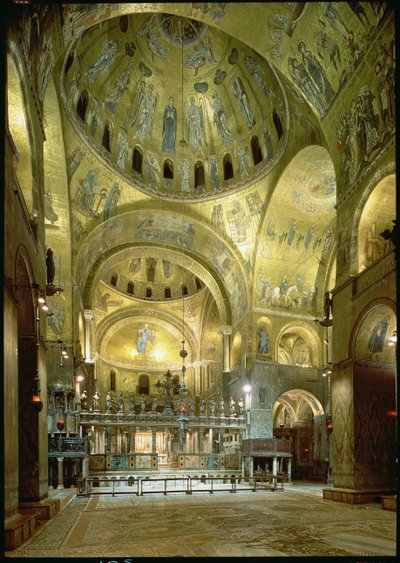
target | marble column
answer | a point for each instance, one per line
(289, 470)
(226, 331)
(201, 440)
(60, 461)
(153, 440)
(89, 317)
(108, 440)
(274, 469)
(132, 442)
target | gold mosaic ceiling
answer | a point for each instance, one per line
(179, 99)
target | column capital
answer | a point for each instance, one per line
(88, 314)
(226, 330)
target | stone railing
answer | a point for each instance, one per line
(88, 418)
(62, 446)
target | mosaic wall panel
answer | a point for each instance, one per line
(343, 430)
(97, 463)
(115, 462)
(374, 427)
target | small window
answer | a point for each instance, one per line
(198, 283)
(199, 177)
(228, 168)
(143, 384)
(277, 123)
(82, 105)
(106, 142)
(167, 293)
(137, 159)
(149, 292)
(256, 150)
(113, 380)
(114, 280)
(130, 288)
(168, 169)
(184, 290)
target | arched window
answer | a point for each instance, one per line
(82, 105)
(143, 384)
(130, 288)
(228, 168)
(123, 23)
(149, 292)
(114, 280)
(277, 123)
(256, 150)
(167, 293)
(184, 289)
(137, 159)
(198, 283)
(106, 142)
(113, 380)
(168, 169)
(69, 62)
(199, 177)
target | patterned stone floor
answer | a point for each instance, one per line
(296, 522)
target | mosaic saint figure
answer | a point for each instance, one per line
(317, 73)
(118, 88)
(152, 168)
(258, 74)
(195, 133)
(378, 335)
(146, 104)
(145, 339)
(110, 206)
(123, 151)
(301, 77)
(214, 173)
(240, 93)
(264, 345)
(221, 121)
(109, 54)
(169, 127)
(200, 57)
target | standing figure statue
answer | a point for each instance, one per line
(211, 405)
(191, 406)
(121, 403)
(84, 401)
(232, 407)
(109, 402)
(142, 405)
(221, 407)
(202, 405)
(96, 398)
(132, 404)
(240, 407)
(154, 406)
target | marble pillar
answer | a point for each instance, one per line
(60, 472)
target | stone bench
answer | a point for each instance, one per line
(18, 530)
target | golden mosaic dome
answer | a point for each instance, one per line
(178, 109)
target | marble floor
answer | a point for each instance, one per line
(295, 522)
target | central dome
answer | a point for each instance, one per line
(177, 108)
